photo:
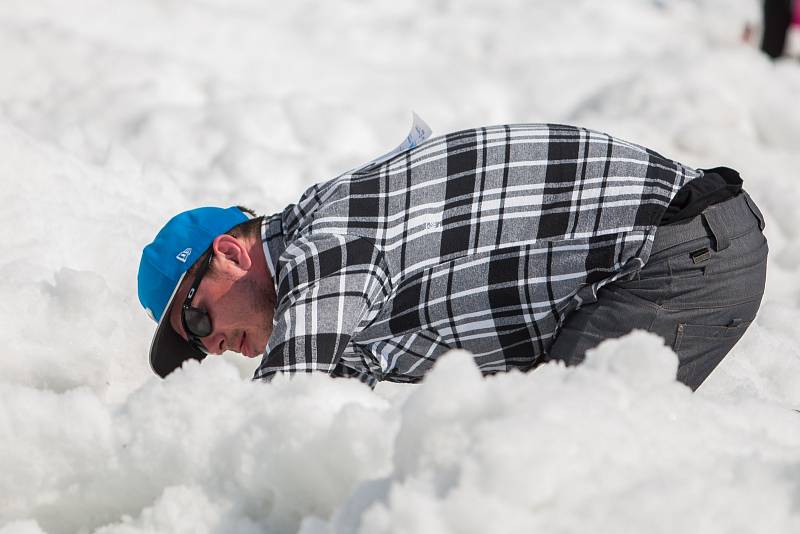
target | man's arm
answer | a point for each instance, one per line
(330, 287)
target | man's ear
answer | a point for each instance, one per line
(232, 251)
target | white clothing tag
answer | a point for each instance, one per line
(420, 131)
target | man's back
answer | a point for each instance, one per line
(495, 186)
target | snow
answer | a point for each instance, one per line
(115, 117)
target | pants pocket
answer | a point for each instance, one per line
(701, 332)
(700, 348)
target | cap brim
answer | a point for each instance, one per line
(169, 350)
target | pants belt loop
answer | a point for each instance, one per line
(757, 212)
(717, 228)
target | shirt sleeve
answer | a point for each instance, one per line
(329, 286)
(365, 377)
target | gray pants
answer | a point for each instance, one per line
(700, 290)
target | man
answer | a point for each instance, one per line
(520, 243)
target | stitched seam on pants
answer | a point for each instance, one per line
(617, 291)
(710, 307)
(748, 231)
(655, 317)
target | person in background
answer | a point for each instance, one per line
(778, 16)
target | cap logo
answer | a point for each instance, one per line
(183, 256)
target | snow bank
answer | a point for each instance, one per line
(114, 118)
(254, 455)
(616, 441)
(616, 444)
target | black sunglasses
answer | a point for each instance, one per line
(196, 322)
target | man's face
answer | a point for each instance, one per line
(238, 302)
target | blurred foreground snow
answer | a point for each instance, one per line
(614, 442)
(114, 118)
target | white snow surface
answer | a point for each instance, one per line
(116, 115)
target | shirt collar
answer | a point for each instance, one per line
(274, 243)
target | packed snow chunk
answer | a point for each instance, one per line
(562, 448)
(53, 444)
(187, 510)
(21, 527)
(283, 450)
(279, 451)
(639, 358)
(73, 341)
(453, 393)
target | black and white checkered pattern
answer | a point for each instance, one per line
(482, 239)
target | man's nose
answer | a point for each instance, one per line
(215, 343)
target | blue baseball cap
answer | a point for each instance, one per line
(165, 261)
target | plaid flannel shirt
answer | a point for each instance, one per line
(482, 239)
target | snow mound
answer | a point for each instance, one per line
(561, 448)
(550, 450)
(265, 455)
(640, 358)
